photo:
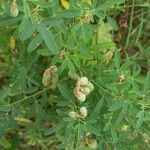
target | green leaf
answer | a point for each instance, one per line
(27, 32)
(44, 52)
(48, 38)
(95, 130)
(9, 20)
(122, 114)
(85, 33)
(70, 13)
(24, 23)
(147, 83)
(117, 59)
(97, 107)
(55, 129)
(26, 8)
(114, 134)
(65, 92)
(104, 33)
(71, 66)
(35, 42)
(115, 106)
(107, 125)
(140, 116)
(4, 108)
(23, 77)
(112, 23)
(4, 93)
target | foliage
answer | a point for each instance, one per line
(105, 42)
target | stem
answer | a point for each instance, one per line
(137, 5)
(106, 90)
(140, 29)
(28, 97)
(130, 26)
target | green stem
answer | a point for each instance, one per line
(140, 29)
(130, 25)
(28, 97)
(137, 5)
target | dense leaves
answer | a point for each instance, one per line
(101, 95)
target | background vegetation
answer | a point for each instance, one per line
(106, 41)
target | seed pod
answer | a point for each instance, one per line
(46, 77)
(90, 86)
(50, 77)
(14, 9)
(53, 69)
(73, 114)
(93, 144)
(85, 90)
(54, 82)
(12, 43)
(79, 95)
(82, 81)
(83, 112)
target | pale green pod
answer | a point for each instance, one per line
(54, 82)
(83, 112)
(93, 144)
(79, 95)
(14, 9)
(85, 90)
(82, 81)
(90, 86)
(46, 78)
(73, 114)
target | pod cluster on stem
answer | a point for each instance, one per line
(83, 88)
(83, 112)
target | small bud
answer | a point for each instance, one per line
(14, 9)
(124, 127)
(121, 79)
(82, 81)
(83, 112)
(73, 114)
(93, 144)
(12, 43)
(79, 95)
(88, 135)
(108, 56)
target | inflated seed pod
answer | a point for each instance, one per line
(54, 82)
(79, 95)
(14, 9)
(53, 69)
(82, 81)
(85, 90)
(50, 77)
(90, 86)
(73, 114)
(83, 112)
(47, 78)
(93, 144)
